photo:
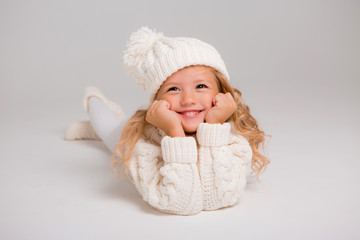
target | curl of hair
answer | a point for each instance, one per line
(131, 133)
(244, 122)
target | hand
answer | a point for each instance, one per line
(224, 107)
(160, 115)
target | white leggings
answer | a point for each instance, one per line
(105, 123)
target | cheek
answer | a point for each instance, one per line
(208, 100)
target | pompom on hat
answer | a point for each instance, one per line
(152, 57)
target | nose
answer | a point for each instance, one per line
(188, 98)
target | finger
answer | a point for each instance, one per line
(231, 100)
(216, 99)
(150, 107)
(149, 111)
(221, 98)
(165, 104)
(153, 106)
(150, 104)
(162, 106)
(158, 107)
(229, 96)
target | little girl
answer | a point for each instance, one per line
(195, 145)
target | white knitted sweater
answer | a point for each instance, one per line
(185, 175)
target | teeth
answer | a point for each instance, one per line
(190, 114)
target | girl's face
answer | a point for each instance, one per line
(190, 92)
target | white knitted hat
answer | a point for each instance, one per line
(152, 57)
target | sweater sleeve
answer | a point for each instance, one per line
(224, 161)
(168, 177)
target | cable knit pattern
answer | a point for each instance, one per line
(173, 185)
(175, 175)
(242, 151)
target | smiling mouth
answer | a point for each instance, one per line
(190, 114)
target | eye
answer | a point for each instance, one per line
(173, 89)
(201, 86)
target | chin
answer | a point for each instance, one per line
(191, 130)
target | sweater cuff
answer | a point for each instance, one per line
(212, 135)
(179, 149)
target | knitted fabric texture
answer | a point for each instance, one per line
(92, 91)
(81, 130)
(152, 57)
(179, 176)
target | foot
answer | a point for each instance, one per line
(95, 92)
(81, 130)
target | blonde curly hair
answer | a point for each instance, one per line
(243, 121)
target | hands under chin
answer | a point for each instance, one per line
(224, 107)
(160, 115)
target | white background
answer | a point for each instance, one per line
(297, 64)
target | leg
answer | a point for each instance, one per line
(105, 122)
